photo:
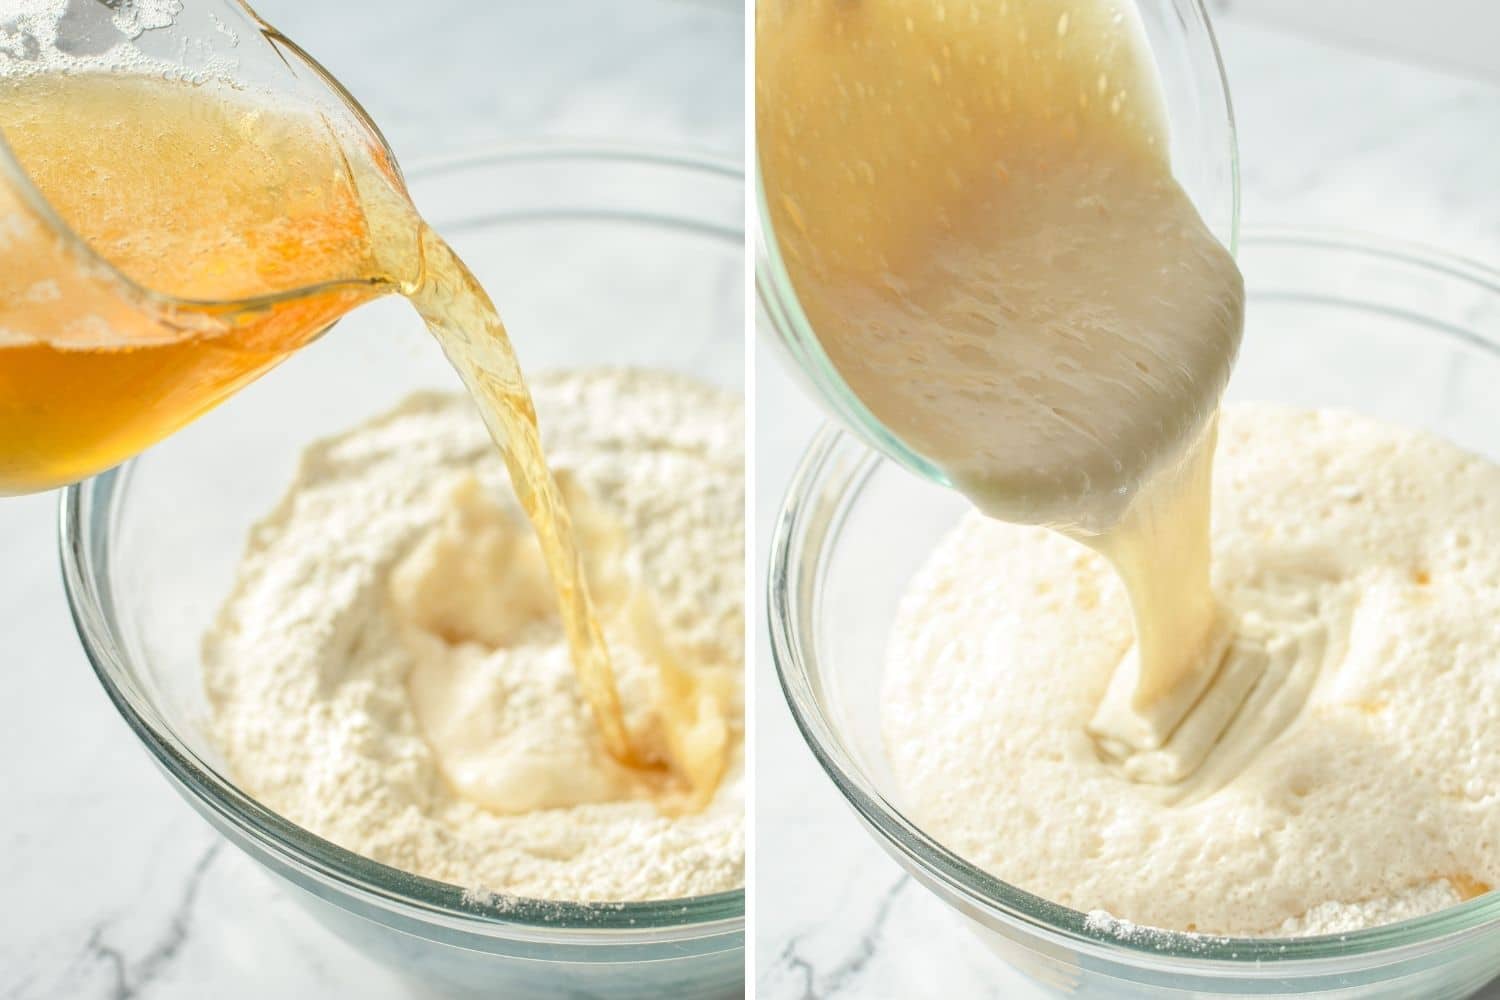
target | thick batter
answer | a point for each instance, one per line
(1366, 561)
(974, 203)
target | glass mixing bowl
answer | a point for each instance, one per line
(1401, 334)
(1205, 162)
(596, 257)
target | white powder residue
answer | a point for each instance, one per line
(359, 617)
(1403, 904)
(1376, 803)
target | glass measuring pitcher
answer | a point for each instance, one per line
(155, 259)
(1203, 159)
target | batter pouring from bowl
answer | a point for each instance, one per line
(974, 205)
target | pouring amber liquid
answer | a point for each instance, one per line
(168, 243)
(232, 238)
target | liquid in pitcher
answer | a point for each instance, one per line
(235, 232)
(245, 226)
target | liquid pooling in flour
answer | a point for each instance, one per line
(222, 202)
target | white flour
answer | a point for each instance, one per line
(359, 637)
(1377, 802)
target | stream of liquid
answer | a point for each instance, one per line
(254, 229)
(974, 204)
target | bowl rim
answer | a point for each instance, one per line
(831, 472)
(84, 526)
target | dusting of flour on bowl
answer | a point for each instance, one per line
(389, 671)
(1378, 800)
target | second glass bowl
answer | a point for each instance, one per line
(1404, 335)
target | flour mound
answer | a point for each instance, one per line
(356, 697)
(1376, 803)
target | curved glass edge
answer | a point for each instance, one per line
(1417, 255)
(834, 461)
(14, 174)
(85, 512)
(1231, 125)
(695, 160)
(793, 331)
(773, 286)
(698, 172)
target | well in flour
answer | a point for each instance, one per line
(389, 671)
(1371, 805)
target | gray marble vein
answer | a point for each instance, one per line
(843, 977)
(132, 977)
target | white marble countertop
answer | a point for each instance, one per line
(113, 888)
(1327, 136)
